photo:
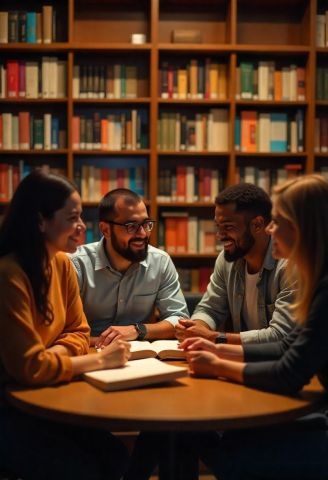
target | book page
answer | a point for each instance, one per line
(168, 349)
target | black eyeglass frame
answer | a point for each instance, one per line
(128, 225)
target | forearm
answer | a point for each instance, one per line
(234, 353)
(60, 349)
(86, 363)
(231, 370)
(160, 330)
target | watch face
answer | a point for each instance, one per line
(142, 331)
(221, 338)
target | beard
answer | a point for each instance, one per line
(127, 252)
(245, 244)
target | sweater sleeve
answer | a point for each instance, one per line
(76, 333)
(303, 353)
(22, 350)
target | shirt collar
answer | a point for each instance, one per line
(102, 260)
(268, 263)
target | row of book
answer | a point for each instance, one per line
(94, 182)
(269, 132)
(181, 233)
(196, 79)
(105, 81)
(194, 279)
(264, 80)
(25, 131)
(188, 184)
(25, 79)
(321, 135)
(28, 27)
(11, 175)
(322, 83)
(267, 178)
(194, 132)
(322, 29)
(125, 130)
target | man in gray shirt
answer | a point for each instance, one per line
(247, 288)
(122, 278)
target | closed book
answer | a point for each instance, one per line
(47, 23)
(163, 349)
(137, 373)
(22, 26)
(13, 26)
(278, 132)
(24, 130)
(3, 27)
(12, 78)
(246, 80)
(31, 27)
(248, 131)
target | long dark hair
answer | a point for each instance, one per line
(38, 196)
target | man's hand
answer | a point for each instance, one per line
(193, 328)
(114, 333)
(203, 364)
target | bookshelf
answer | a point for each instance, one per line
(175, 108)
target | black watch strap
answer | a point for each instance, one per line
(141, 330)
(221, 338)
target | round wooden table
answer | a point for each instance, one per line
(186, 404)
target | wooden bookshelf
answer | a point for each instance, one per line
(95, 33)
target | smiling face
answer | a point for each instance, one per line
(63, 231)
(233, 230)
(283, 234)
(131, 246)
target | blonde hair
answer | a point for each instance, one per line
(304, 202)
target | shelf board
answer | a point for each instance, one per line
(186, 204)
(322, 49)
(112, 152)
(36, 47)
(193, 101)
(62, 151)
(195, 47)
(33, 100)
(321, 154)
(273, 103)
(107, 46)
(193, 153)
(321, 103)
(111, 100)
(271, 154)
(279, 49)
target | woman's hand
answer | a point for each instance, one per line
(197, 343)
(116, 354)
(203, 364)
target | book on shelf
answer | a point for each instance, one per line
(162, 349)
(137, 373)
(28, 27)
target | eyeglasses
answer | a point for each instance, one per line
(134, 227)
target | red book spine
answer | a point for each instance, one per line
(12, 78)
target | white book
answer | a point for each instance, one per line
(264, 179)
(263, 79)
(32, 79)
(163, 349)
(3, 80)
(214, 184)
(192, 234)
(190, 184)
(61, 79)
(76, 81)
(293, 136)
(47, 23)
(47, 131)
(293, 82)
(46, 77)
(285, 83)
(219, 134)
(177, 135)
(249, 174)
(53, 77)
(117, 81)
(137, 373)
(264, 132)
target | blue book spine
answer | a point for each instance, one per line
(31, 27)
(54, 133)
(132, 179)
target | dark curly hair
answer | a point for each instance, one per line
(39, 195)
(247, 198)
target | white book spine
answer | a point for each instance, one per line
(47, 131)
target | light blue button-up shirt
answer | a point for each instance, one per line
(113, 298)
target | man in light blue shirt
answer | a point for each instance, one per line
(122, 278)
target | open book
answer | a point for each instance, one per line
(163, 349)
(135, 374)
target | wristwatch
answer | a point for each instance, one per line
(141, 330)
(221, 338)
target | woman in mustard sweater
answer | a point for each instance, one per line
(44, 335)
(299, 449)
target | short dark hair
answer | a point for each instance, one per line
(247, 198)
(107, 205)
